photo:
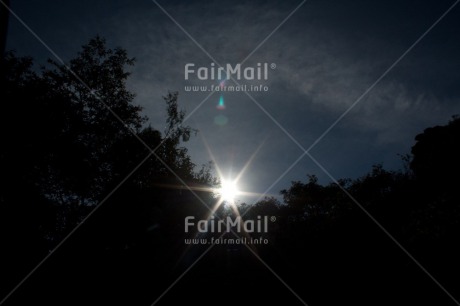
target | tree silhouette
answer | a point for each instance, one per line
(435, 156)
(325, 233)
(70, 136)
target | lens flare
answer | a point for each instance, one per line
(221, 105)
(220, 120)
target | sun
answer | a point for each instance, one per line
(228, 191)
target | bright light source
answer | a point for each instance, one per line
(228, 191)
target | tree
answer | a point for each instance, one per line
(435, 164)
(435, 159)
(71, 133)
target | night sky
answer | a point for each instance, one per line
(327, 55)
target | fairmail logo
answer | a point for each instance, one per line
(212, 225)
(227, 72)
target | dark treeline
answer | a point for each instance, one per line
(63, 152)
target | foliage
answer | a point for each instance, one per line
(71, 139)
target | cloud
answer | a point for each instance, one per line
(327, 55)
